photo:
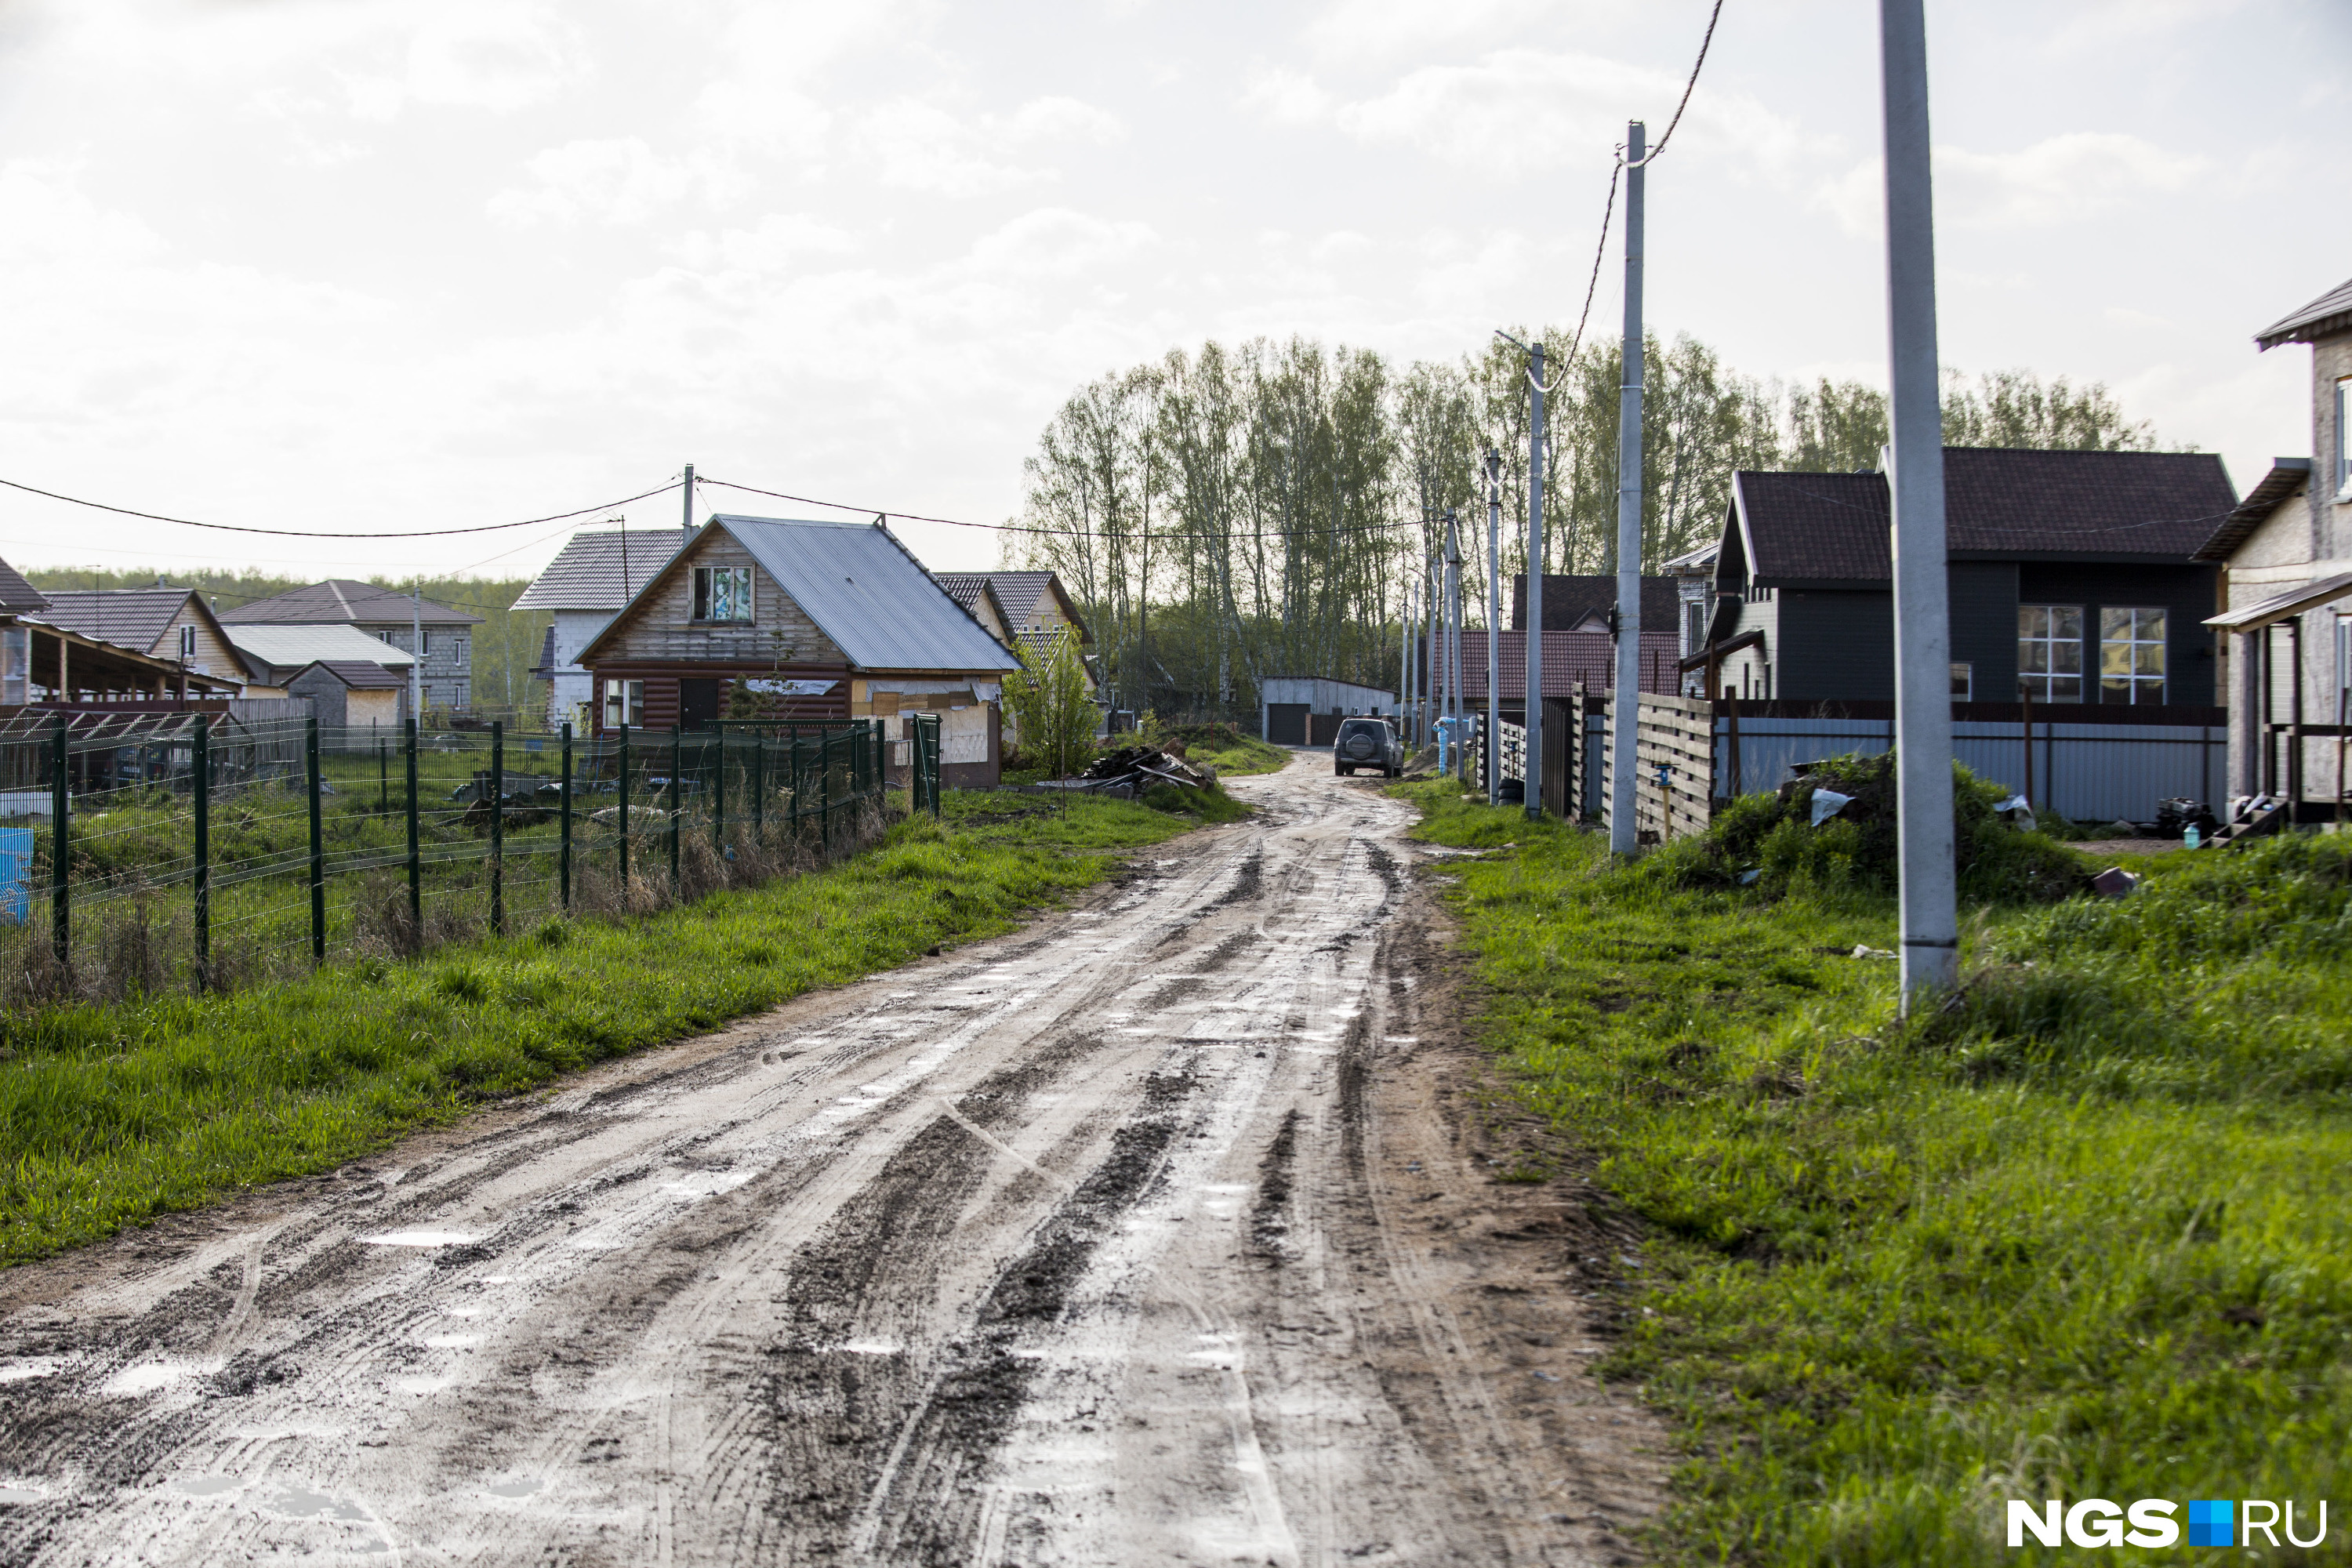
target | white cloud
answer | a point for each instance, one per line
(613, 182)
(496, 55)
(2067, 178)
(1062, 119)
(1517, 111)
(1380, 30)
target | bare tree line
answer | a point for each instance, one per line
(1231, 513)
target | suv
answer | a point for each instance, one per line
(1367, 743)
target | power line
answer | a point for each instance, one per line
(1712, 16)
(318, 533)
(1327, 531)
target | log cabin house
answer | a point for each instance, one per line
(819, 622)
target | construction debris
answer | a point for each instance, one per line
(1131, 770)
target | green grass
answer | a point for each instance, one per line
(2083, 1235)
(1230, 751)
(109, 1115)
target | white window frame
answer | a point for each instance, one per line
(2132, 687)
(1964, 682)
(625, 703)
(188, 639)
(2344, 437)
(706, 596)
(2041, 683)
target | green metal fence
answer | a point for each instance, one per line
(224, 851)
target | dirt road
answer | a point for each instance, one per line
(1163, 1232)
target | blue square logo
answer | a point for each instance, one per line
(2211, 1522)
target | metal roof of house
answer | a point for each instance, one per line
(290, 647)
(2331, 312)
(1568, 658)
(342, 601)
(1997, 501)
(868, 592)
(135, 617)
(1017, 594)
(16, 596)
(358, 675)
(2287, 475)
(603, 570)
(1569, 600)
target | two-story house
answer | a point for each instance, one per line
(817, 621)
(445, 678)
(2071, 579)
(591, 577)
(162, 622)
(2286, 555)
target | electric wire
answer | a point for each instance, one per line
(1696, 66)
(318, 533)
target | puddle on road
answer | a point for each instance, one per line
(300, 1502)
(453, 1342)
(419, 1238)
(21, 1494)
(514, 1489)
(148, 1378)
(29, 1367)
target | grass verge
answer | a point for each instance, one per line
(111, 1114)
(2079, 1235)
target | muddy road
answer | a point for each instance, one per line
(1163, 1232)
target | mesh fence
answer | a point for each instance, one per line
(222, 852)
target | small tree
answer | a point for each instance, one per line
(1052, 704)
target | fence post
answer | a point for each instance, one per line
(563, 828)
(792, 773)
(624, 818)
(498, 828)
(759, 785)
(825, 788)
(676, 763)
(415, 856)
(60, 849)
(719, 797)
(317, 846)
(202, 771)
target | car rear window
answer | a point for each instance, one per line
(1362, 727)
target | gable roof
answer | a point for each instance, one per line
(1570, 601)
(291, 648)
(1018, 592)
(603, 570)
(136, 617)
(969, 589)
(1998, 502)
(2287, 475)
(340, 600)
(18, 596)
(2331, 312)
(353, 673)
(862, 588)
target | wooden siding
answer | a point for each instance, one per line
(660, 627)
(661, 703)
(220, 661)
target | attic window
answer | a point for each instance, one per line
(722, 593)
(188, 640)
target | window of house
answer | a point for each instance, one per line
(1694, 626)
(1963, 683)
(625, 702)
(188, 641)
(2131, 654)
(423, 645)
(2344, 437)
(2049, 652)
(722, 593)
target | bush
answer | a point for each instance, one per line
(1773, 836)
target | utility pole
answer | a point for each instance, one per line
(1923, 673)
(1494, 624)
(1625, 705)
(1404, 665)
(1454, 629)
(1534, 767)
(687, 525)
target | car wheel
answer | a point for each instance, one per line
(1343, 772)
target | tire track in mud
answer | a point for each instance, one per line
(1085, 1245)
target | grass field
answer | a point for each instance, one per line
(2081, 1234)
(111, 1114)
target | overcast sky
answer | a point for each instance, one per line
(372, 263)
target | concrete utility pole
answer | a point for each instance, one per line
(1625, 704)
(1923, 661)
(1494, 623)
(1534, 765)
(1453, 688)
(688, 525)
(1404, 666)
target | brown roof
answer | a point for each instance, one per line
(135, 617)
(342, 601)
(1998, 502)
(2331, 312)
(602, 570)
(2287, 475)
(16, 596)
(1017, 594)
(1569, 600)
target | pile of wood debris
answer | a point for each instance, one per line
(1137, 768)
